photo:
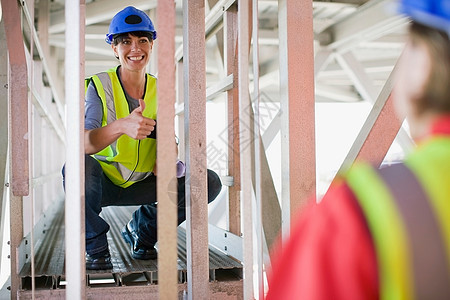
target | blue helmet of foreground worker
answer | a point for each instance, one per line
(433, 13)
(130, 19)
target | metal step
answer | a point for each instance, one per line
(50, 260)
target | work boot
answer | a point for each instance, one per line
(137, 249)
(99, 261)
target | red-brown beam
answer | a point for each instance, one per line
(194, 60)
(18, 95)
(297, 104)
(234, 209)
(166, 153)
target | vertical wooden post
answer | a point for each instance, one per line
(167, 181)
(180, 102)
(234, 207)
(18, 126)
(3, 132)
(257, 151)
(196, 175)
(74, 207)
(18, 95)
(245, 143)
(297, 104)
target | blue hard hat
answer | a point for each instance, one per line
(130, 19)
(433, 13)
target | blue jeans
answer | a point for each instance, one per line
(101, 192)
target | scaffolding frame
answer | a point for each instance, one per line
(245, 180)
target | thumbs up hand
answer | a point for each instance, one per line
(141, 107)
(136, 125)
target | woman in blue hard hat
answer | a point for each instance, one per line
(385, 233)
(120, 143)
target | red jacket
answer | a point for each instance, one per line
(330, 253)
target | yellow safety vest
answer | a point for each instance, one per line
(127, 160)
(407, 208)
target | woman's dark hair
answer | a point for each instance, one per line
(118, 38)
(436, 96)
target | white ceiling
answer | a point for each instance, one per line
(362, 36)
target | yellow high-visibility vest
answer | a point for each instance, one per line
(127, 160)
(407, 209)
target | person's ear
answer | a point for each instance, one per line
(151, 44)
(114, 47)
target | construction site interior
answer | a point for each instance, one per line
(275, 96)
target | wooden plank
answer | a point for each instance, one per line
(297, 104)
(245, 127)
(234, 207)
(194, 59)
(3, 131)
(217, 290)
(74, 82)
(166, 153)
(18, 111)
(18, 97)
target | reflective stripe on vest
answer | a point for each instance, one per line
(406, 208)
(388, 232)
(430, 272)
(127, 160)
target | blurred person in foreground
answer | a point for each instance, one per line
(385, 233)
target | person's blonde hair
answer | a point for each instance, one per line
(436, 96)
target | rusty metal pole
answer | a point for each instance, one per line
(74, 81)
(195, 123)
(167, 181)
(295, 20)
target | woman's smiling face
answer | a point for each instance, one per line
(133, 52)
